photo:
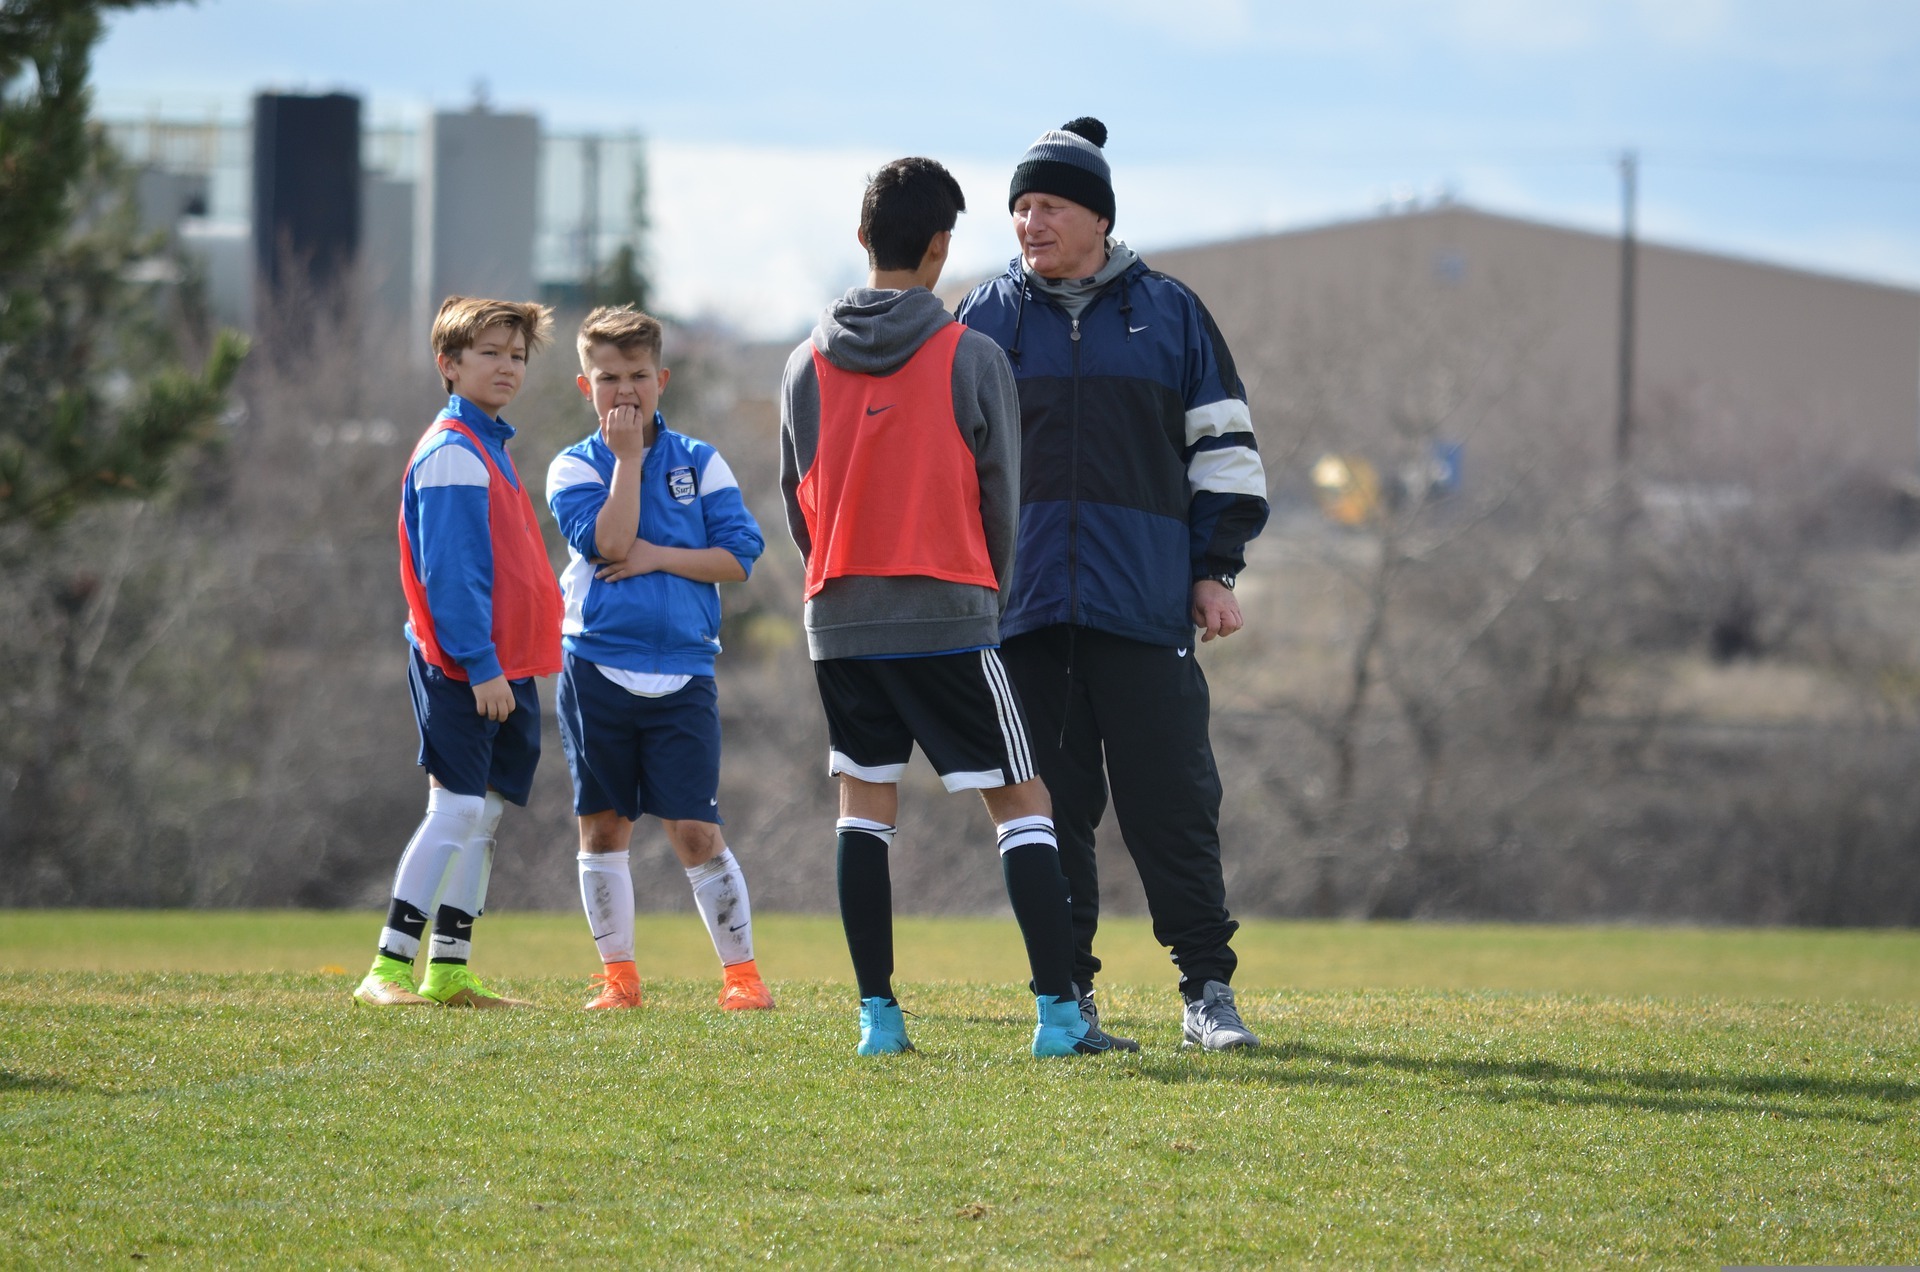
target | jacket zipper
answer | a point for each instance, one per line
(1073, 487)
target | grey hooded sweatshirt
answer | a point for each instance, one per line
(873, 332)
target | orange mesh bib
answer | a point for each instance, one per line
(893, 490)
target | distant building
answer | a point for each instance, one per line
(473, 201)
(475, 215)
(306, 195)
(1491, 333)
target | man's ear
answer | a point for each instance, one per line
(586, 386)
(860, 237)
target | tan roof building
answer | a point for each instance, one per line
(1501, 335)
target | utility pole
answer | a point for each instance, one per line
(1623, 422)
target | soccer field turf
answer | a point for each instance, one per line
(1441, 1116)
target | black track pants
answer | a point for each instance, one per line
(1086, 692)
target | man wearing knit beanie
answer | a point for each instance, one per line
(1127, 545)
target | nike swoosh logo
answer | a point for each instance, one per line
(714, 802)
(1136, 330)
(875, 410)
(1179, 653)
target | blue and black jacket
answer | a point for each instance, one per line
(1139, 471)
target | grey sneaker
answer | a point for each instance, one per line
(1213, 1021)
(1090, 1012)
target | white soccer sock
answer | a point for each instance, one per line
(466, 889)
(606, 890)
(449, 822)
(465, 892)
(720, 890)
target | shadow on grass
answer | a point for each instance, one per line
(11, 1081)
(1550, 1082)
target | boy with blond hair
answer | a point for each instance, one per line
(483, 620)
(653, 521)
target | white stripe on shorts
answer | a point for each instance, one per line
(839, 762)
(984, 780)
(1013, 729)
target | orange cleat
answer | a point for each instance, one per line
(619, 987)
(741, 989)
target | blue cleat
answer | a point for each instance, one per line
(1068, 1028)
(1062, 1028)
(883, 1030)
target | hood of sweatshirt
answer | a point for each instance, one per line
(1073, 294)
(870, 331)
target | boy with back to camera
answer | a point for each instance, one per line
(653, 521)
(899, 464)
(483, 620)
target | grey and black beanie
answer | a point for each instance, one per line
(1068, 161)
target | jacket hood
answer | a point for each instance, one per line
(1121, 259)
(870, 331)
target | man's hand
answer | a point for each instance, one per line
(494, 698)
(625, 431)
(1215, 611)
(642, 558)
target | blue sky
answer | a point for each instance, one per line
(1788, 131)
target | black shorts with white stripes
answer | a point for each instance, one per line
(960, 708)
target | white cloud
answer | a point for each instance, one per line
(762, 237)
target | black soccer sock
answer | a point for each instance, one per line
(452, 936)
(866, 910)
(406, 924)
(1038, 891)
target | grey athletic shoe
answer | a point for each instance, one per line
(1213, 1021)
(1090, 1013)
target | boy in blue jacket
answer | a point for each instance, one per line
(653, 520)
(483, 618)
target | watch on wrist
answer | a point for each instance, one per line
(1224, 580)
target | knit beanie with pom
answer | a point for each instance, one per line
(1068, 162)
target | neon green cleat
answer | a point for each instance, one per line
(453, 985)
(389, 984)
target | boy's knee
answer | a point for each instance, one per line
(1023, 799)
(695, 842)
(605, 832)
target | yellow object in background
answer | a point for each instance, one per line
(1348, 487)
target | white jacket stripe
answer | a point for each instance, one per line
(1231, 470)
(449, 464)
(1216, 419)
(568, 471)
(719, 476)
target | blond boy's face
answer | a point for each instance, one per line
(619, 379)
(490, 372)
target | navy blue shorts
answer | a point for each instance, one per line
(462, 749)
(638, 755)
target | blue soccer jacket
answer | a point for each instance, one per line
(657, 623)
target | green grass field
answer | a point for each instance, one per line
(198, 1088)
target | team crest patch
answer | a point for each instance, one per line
(680, 484)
